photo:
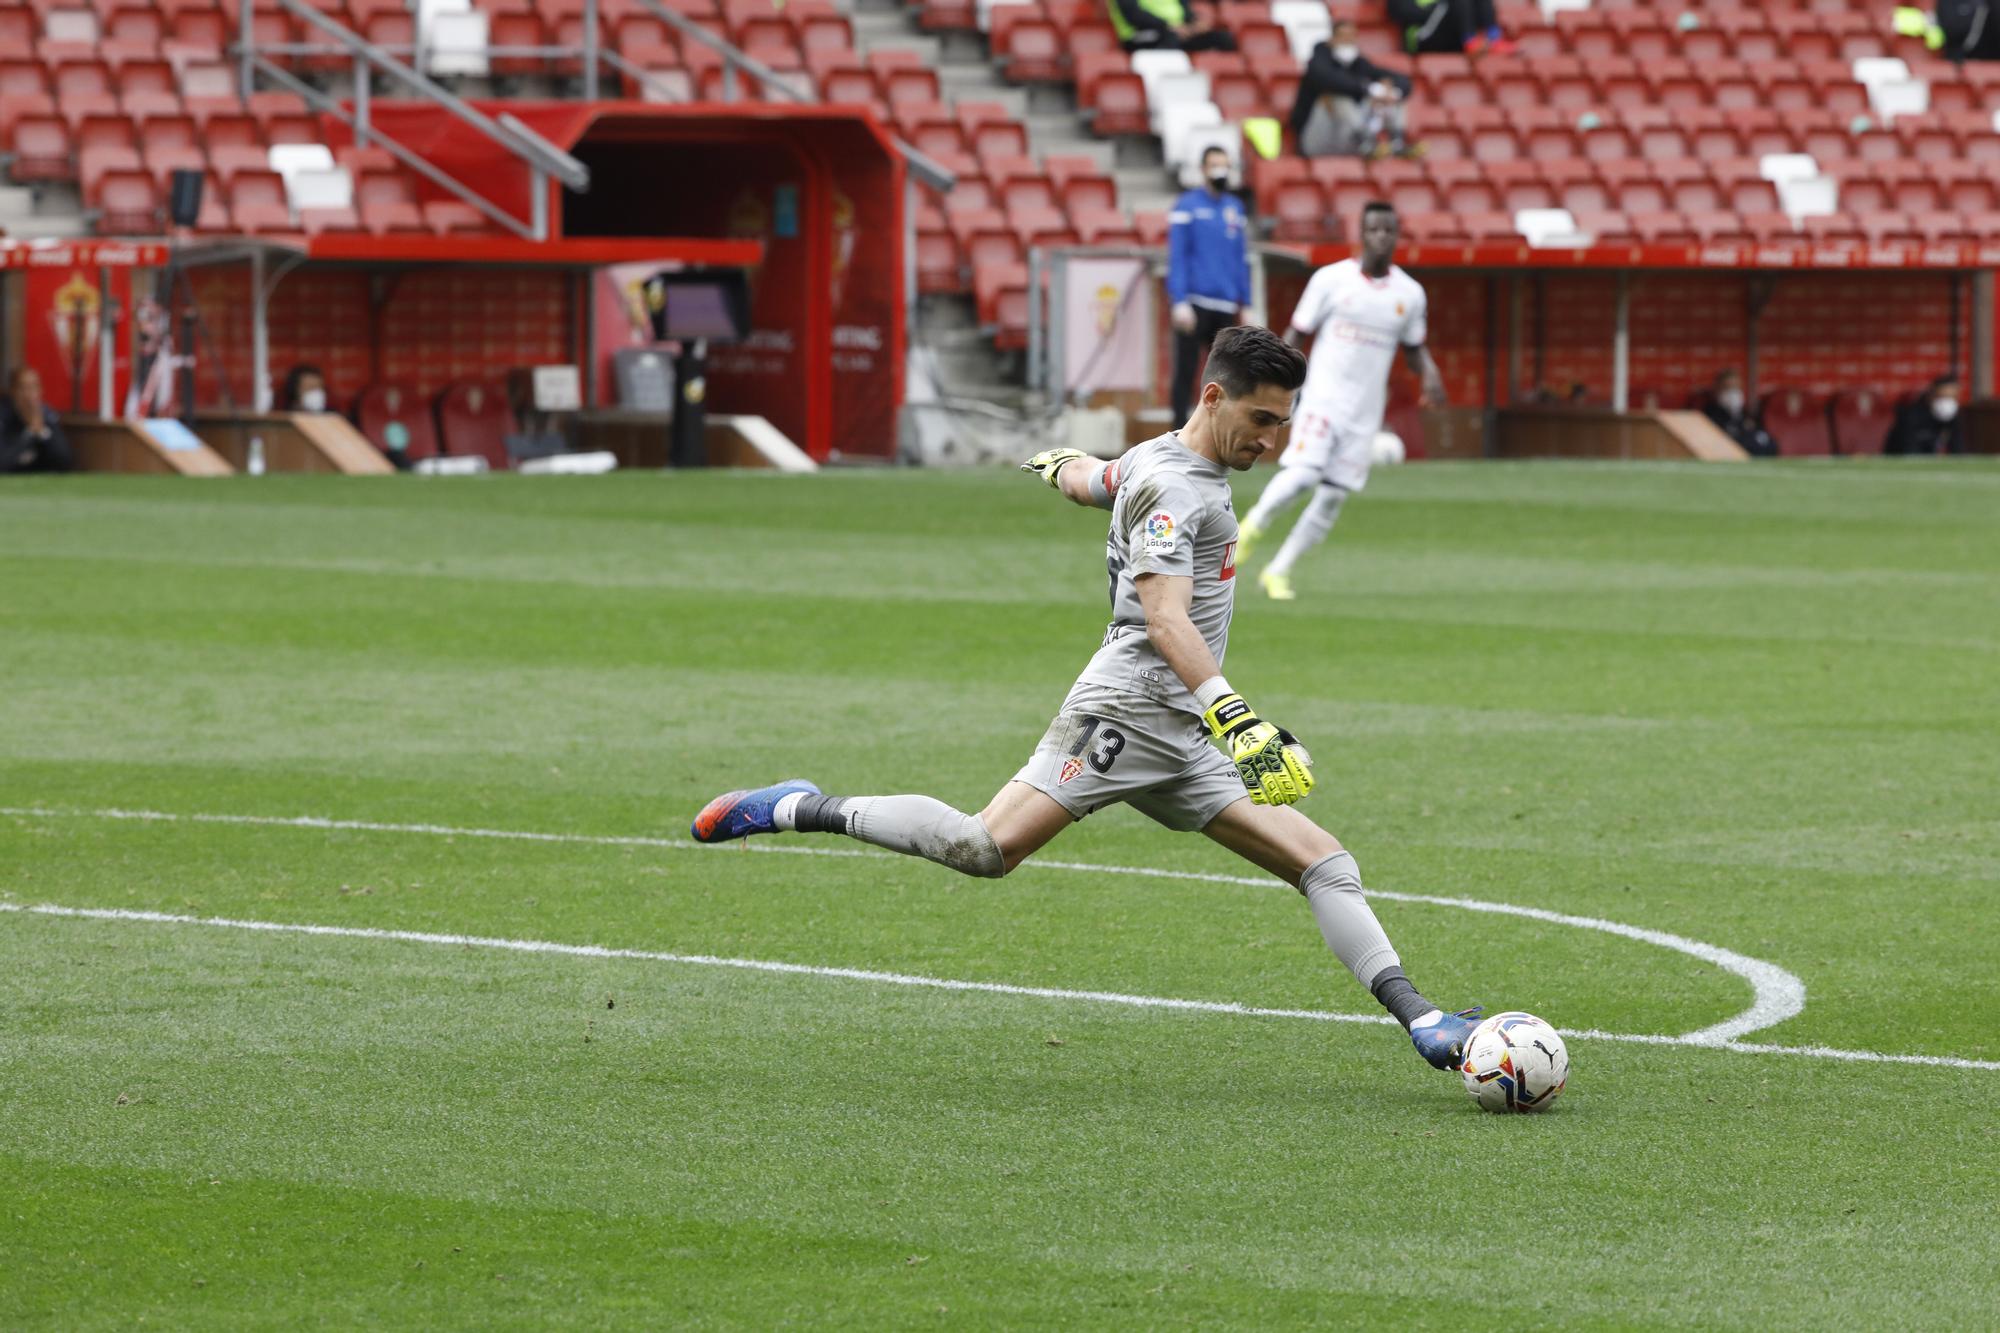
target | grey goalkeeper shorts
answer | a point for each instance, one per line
(1108, 745)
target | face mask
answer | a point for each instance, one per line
(313, 400)
(1347, 55)
(1944, 409)
(1219, 179)
(1730, 401)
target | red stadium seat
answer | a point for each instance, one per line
(257, 200)
(1026, 45)
(1151, 225)
(1120, 106)
(128, 204)
(315, 221)
(999, 139)
(1300, 210)
(455, 217)
(474, 419)
(1104, 227)
(392, 416)
(387, 201)
(940, 266)
(1860, 419)
(1089, 194)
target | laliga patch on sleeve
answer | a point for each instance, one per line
(1160, 531)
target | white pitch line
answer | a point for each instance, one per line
(1776, 994)
(549, 947)
(690, 959)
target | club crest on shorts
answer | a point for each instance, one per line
(1071, 767)
(1160, 532)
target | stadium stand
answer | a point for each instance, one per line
(1617, 122)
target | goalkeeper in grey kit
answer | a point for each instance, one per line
(1138, 724)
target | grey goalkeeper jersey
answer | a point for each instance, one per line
(1171, 514)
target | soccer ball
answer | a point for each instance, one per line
(1386, 449)
(1515, 1062)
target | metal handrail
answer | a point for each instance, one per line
(322, 101)
(508, 133)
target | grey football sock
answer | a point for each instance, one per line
(913, 825)
(1332, 885)
(1399, 997)
(1280, 491)
(1312, 527)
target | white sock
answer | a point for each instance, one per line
(1428, 1019)
(1287, 486)
(785, 812)
(1312, 527)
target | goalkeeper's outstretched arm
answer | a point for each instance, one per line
(1275, 768)
(1086, 480)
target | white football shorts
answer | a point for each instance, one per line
(1340, 455)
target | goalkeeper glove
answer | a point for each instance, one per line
(1049, 462)
(1273, 765)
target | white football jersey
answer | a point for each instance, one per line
(1357, 323)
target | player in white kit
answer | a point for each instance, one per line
(1358, 313)
(1138, 723)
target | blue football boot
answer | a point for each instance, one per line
(738, 814)
(1443, 1042)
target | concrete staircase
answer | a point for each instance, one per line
(951, 357)
(45, 212)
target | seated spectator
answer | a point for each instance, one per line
(305, 390)
(1166, 25)
(31, 439)
(1928, 423)
(1959, 30)
(1348, 105)
(1471, 26)
(1729, 409)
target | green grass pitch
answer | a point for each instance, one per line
(1755, 708)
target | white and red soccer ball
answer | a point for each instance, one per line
(1514, 1062)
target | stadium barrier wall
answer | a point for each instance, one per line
(292, 442)
(112, 445)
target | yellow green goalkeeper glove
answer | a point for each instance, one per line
(1273, 765)
(1050, 461)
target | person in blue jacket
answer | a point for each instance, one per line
(1208, 271)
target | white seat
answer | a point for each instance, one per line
(456, 44)
(1809, 197)
(1177, 123)
(1881, 69)
(1152, 65)
(1780, 167)
(1899, 97)
(319, 189)
(1548, 227)
(1171, 89)
(1195, 146)
(287, 159)
(1306, 24)
(1551, 8)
